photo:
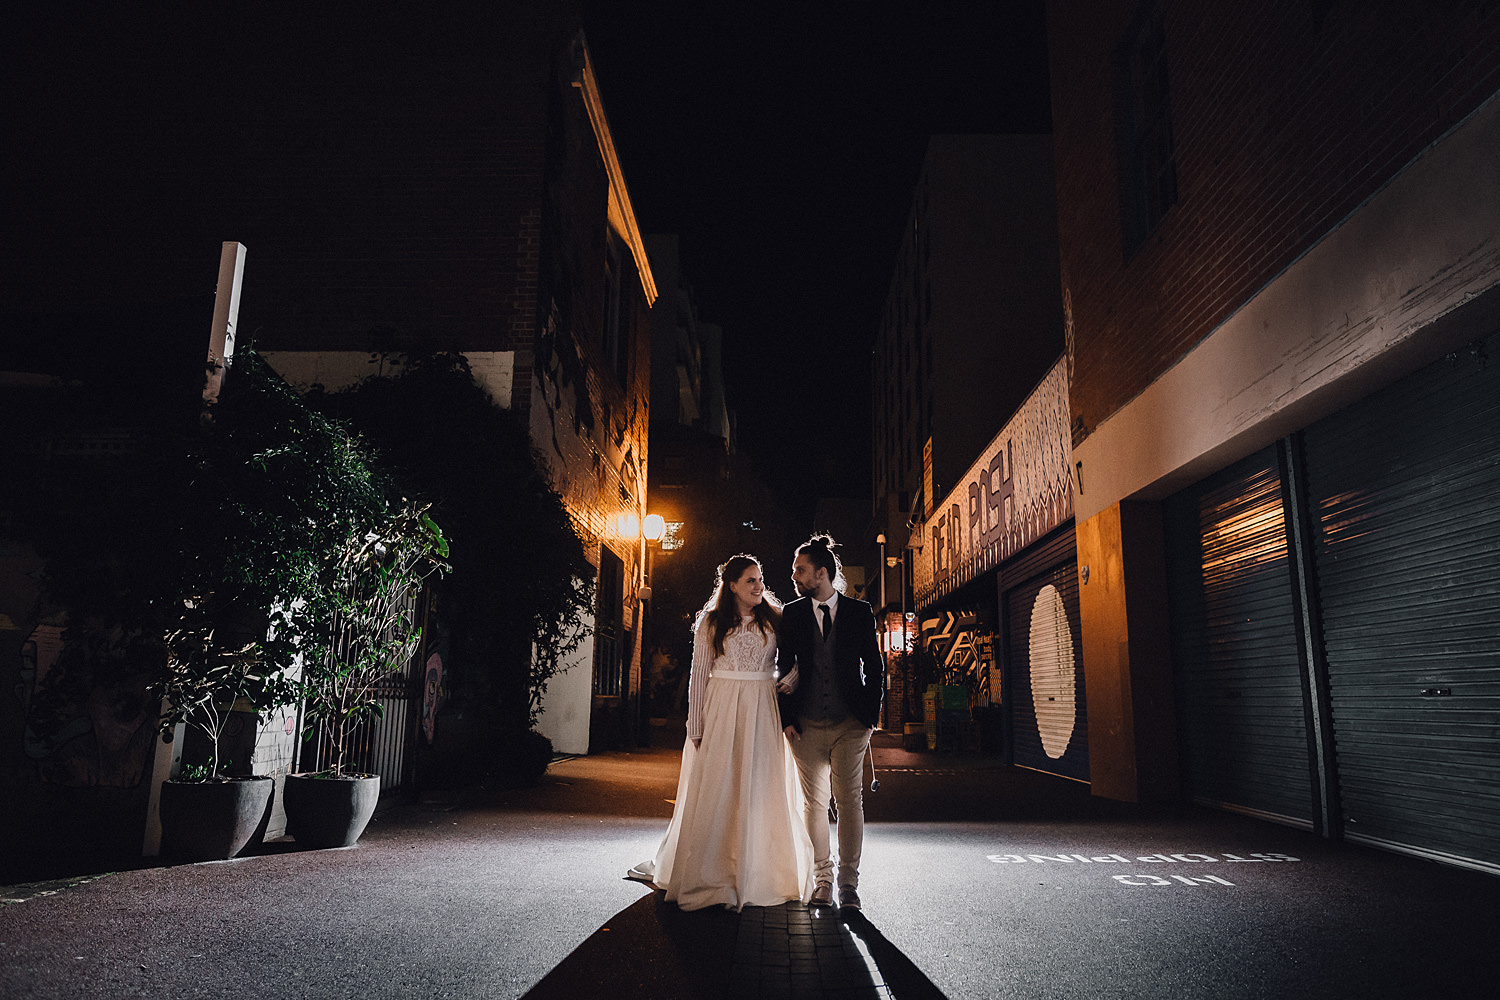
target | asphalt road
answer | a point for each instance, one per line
(979, 881)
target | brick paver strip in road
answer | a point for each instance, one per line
(793, 950)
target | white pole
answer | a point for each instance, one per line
(226, 316)
(167, 757)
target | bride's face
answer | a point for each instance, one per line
(749, 590)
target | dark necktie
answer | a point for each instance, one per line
(827, 620)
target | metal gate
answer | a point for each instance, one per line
(1405, 490)
(1043, 661)
(377, 746)
(1239, 679)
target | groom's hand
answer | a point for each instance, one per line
(792, 734)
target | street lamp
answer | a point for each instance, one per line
(880, 540)
(652, 529)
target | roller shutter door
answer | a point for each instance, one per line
(1404, 488)
(1239, 680)
(1044, 665)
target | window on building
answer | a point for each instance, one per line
(1148, 167)
(671, 539)
(616, 351)
(672, 470)
(609, 626)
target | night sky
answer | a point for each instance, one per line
(784, 150)
(781, 143)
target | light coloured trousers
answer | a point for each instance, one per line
(832, 756)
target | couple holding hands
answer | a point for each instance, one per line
(781, 705)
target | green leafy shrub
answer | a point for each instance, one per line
(520, 758)
(520, 591)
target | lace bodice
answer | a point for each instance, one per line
(745, 649)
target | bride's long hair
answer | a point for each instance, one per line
(721, 614)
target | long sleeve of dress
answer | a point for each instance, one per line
(703, 661)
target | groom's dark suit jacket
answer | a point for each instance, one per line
(857, 663)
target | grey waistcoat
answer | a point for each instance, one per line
(824, 702)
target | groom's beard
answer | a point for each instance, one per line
(806, 591)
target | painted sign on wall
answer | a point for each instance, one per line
(1019, 489)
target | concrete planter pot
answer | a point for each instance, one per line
(212, 820)
(329, 812)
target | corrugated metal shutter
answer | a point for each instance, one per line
(1242, 728)
(1043, 662)
(1405, 489)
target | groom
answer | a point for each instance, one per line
(833, 678)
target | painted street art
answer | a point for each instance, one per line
(434, 694)
(82, 730)
(961, 646)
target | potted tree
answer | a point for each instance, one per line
(207, 814)
(372, 585)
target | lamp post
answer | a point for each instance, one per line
(880, 540)
(653, 528)
(892, 562)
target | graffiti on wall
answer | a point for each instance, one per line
(961, 646)
(84, 727)
(1019, 489)
(434, 694)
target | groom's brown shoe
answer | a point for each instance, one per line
(822, 895)
(848, 898)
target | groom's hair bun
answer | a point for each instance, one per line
(819, 549)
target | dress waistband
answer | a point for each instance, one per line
(744, 675)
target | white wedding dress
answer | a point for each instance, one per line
(737, 836)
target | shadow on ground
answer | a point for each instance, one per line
(900, 974)
(653, 949)
(649, 949)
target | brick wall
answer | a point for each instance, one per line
(444, 251)
(590, 426)
(384, 209)
(1286, 116)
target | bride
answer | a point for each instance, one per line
(737, 837)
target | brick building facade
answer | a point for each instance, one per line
(1285, 119)
(406, 179)
(512, 241)
(1281, 273)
